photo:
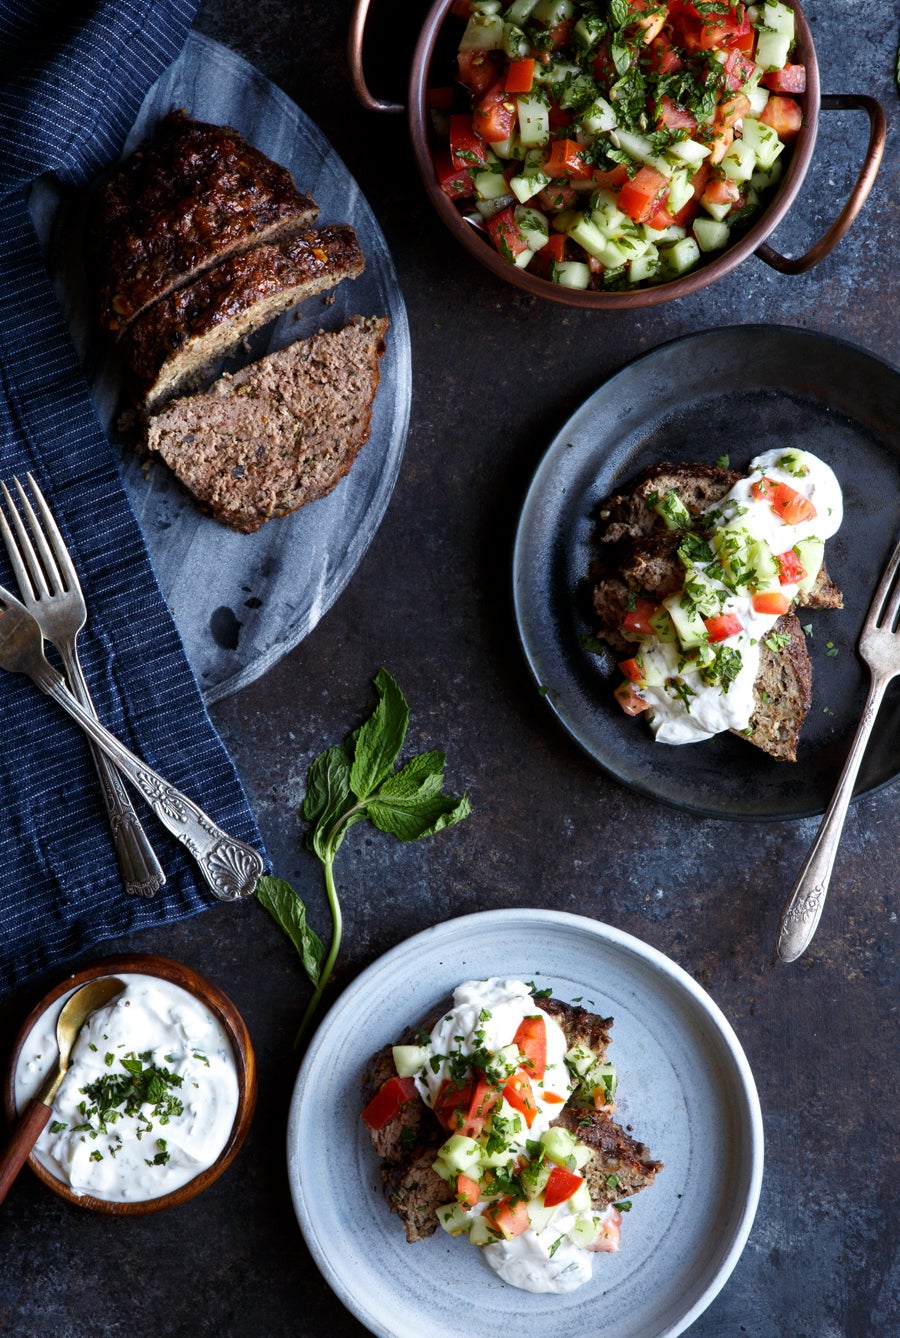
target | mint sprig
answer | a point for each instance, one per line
(347, 783)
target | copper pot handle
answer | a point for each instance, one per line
(864, 183)
(355, 62)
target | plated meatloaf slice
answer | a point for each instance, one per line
(637, 555)
(178, 205)
(175, 342)
(279, 433)
(408, 1144)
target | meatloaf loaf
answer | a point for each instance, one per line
(407, 1145)
(171, 345)
(637, 556)
(195, 195)
(279, 433)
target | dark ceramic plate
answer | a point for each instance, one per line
(736, 391)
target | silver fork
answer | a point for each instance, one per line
(50, 590)
(879, 646)
(230, 867)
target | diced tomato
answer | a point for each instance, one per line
(461, 9)
(550, 255)
(452, 1104)
(559, 118)
(784, 500)
(531, 1038)
(616, 176)
(638, 197)
(763, 490)
(476, 69)
(466, 148)
(663, 57)
(559, 33)
(566, 159)
(674, 117)
(738, 69)
(718, 143)
(652, 17)
(520, 75)
(606, 1240)
(517, 1091)
(388, 1101)
(561, 1186)
(638, 618)
(723, 625)
(630, 700)
(703, 28)
(504, 233)
(698, 186)
(441, 99)
(508, 1216)
(661, 220)
(789, 79)
(468, 1191)
(554, 1098)
(454, 181)
(482, 1101)
(783, 115)
(791, 570)
(771, 602)
(494, 115)
(721, 190)
(633, 670)
(732, 109)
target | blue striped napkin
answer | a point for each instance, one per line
(71, 90)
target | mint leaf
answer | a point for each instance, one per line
(412, 819)
(380, 739)
(327, 786)
(289, 912)
(421, 777)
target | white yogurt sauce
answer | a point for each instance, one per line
(153, 1024)
(712, 710)
(486, 1015)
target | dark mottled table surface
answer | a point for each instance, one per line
(496, 374)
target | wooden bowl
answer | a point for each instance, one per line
(432, 48)
(245, 1065)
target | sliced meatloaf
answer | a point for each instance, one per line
(195, 195)
(619, 1166)
(279, 433)
(176, 341)
(636, 555)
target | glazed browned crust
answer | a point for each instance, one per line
(195, 195)
(637, 556)
(279, 433)
(174, 342)
(620, 1166)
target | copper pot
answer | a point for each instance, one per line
(752, 242)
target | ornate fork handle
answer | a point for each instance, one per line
(230, 867)
(804, 906)
(141, 871)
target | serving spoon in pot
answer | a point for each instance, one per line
(73, 1015)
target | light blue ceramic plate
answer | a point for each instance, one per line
(241, 601)
(685, 1089)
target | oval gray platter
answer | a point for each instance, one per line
(240, 602)
(685, 1089)
(739, 390)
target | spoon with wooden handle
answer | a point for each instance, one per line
(73, 1015)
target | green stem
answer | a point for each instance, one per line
(328, 964)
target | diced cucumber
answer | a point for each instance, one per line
(536, 1181)
(582, 1155)
(460, 1154)
(739, 162)
(606, 214)
(491, 185)
(488, 208)
(579, 1059)
(408, 1059)
(757, 97)
(558, 1143)
(528, 185)
(454, 1219)
(717, 211)
(810, 552)
(689, 151)
(680, 190)
(762, 560)
(539, 1216)
(680, 256)
(772, 49)
(640, 150)
(672, 510)
(774, 14)
(572, 274)
(552, 11)
(763, 140)
(486, 7)
(583, 1232)
(687, 620)
(482, 34)
(524, 258)
(534, 119)
(599, 117)
(515, 43)
(661, 622)
(520, 11)
(644, 267)
(762, 180)
(711, 235)
(504, 1062)
(588, 31)
(479, 1232)
(580, 1202)
(673, 233)
(588, 235)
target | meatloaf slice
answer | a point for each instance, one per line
(619, 1166)
(178, 205)
(279, 433)
(175, 342)
(782, 692)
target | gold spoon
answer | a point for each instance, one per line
(73, 1015)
